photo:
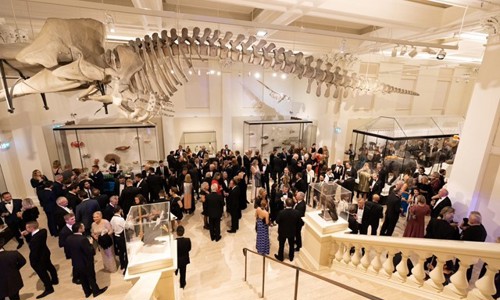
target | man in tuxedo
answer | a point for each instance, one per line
(300, 184)
(338, 170)
(102, 199)
(58, 188)
(214, 210)
(288, 222)
(11, 281)
(142, 184)
(82, 260)
(72, 196)
(226, 151)
(179, 152)
(109, 210)
(128, 195)
(60, 211)
(86, 210)
(119, 185)
(349, 169)
(202, 152)
(163, 171)
(300, 206)
(40, 257)
(376, 186)
(392, 212)
(66, 231)
(98, 178)
(8, 210)
(87, 188)
(48, 202)
(183, 248)
(155, 184)
(172, 162)
(439, 202)
(233, 205)
(349, 182)
(266, 171)
(372, 214)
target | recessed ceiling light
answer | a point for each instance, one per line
(261, 33)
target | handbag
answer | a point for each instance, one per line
(105, 241)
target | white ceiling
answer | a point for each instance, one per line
(289, 23)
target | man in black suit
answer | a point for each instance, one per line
(85, 210)
(300, 206)
(40, 257)
(98, 178)
(266, 173)
(214, 210)
(372, 214)
(233, 205)
(82, 259)
(376, 186)
(392, 212)
(155, 185)
(183, 248)
(127, 197)
(11, 281)
(349, 183)
(72, 196)
(142, 184)
(109, 210)
(439, 202)
(66, 231)
(172, 162)
(338, 170)
(163, 171)
(288, 222)
(60, 211)
(8, 209)
(300, 184)
(58, 188)
(102, 199)
(48, 202)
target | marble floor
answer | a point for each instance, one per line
(216, 270)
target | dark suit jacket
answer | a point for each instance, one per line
(372, 214)
(98, 179)
(437, 209)
(288, 220)
(48, 200)
(155, 185)
(393, 206)
(214, 205)
(85, 210)
(10, 277)
(59, 214)
(108, 212)
(73, 200)
(349, 184)
(81, 253)
(301, 208)
(12, 218)
(39, 252)
(233, 201)
(58, 189)
(165, 171)
(301, 185)
(144, 189)
(441, 230)
(337, 174)
(127, 198)
(63, 235)
(183, 248)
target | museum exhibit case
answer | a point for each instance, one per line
(331, 199)
(131, 145)
(402, 143)
(195, 139)
(267, 135)
(149, 238)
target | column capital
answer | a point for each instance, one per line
(492, 25)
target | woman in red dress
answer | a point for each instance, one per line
(416, 218)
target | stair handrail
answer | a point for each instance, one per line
(297, 271)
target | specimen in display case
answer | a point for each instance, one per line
(144, 74)
(267, 135)
(149, 237)
(196, 139)
(332, 199)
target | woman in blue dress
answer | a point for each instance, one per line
(262, 227)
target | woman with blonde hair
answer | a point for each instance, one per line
(188, 194)
(29, 212)
(102, 232)
(256, 178)
(204, 191)
(261, 195)
(56, 168)
(262, 228)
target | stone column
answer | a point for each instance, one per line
(479, 128)
(226, 111)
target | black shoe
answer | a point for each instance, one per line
(100, 291)
(206, 227)
(21, 243)
(55, 281)
(76, 281)
(88, 295)
(277, 257)
(218, 238)
(297, 249)
(231, 231)
(291, 259)
(45, 293)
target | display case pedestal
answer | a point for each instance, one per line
(316, 240)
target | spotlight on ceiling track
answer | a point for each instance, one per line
(261, 33)
(403, 51)
(394, 51)
(441, 55)
(413, 52)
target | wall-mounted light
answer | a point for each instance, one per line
(4, 145)
(413, 52)
(441, 55)
(403, 50)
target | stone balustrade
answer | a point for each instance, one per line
(373, 257)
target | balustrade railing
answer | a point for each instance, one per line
(375, 256)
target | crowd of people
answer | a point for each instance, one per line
(84, 216)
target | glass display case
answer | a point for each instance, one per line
(149, 238)
(267, 135)
(331, 198)
(132, 145)
(194, 140)
(402, 144)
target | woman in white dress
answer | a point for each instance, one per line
(101, 229)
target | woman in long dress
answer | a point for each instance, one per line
(262, 227)
(416, 218)
(102, 227)
(188, 194)
(256, 181)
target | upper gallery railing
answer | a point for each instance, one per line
(375, 256)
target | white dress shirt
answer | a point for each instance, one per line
(10, 206)
(118, 224)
